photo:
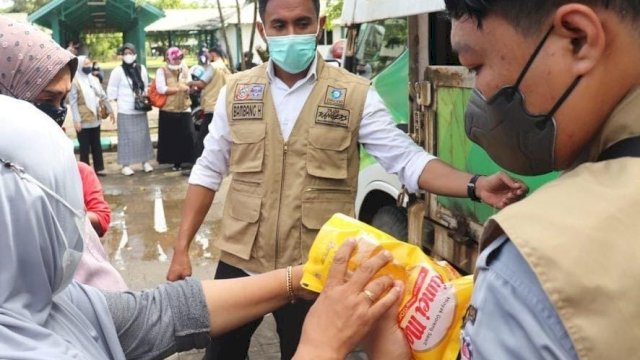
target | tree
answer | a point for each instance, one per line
(224, 35)
(174, 4)
(253, 28)
(27, 6)
(334, 11)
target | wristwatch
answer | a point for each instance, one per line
(471, 189)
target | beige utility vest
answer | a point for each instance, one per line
(281, 193)
(212, 90)
(581, 236)
(179, 101)
(86, 115)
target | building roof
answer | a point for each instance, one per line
(95, 15)
(187, 20)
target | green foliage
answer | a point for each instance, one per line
(175, 4)
(334, 11)
(27, 6)
(103, 47)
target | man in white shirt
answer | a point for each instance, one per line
(288, 132)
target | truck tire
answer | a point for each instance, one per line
(392, 220)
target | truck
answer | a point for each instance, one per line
(404, 47)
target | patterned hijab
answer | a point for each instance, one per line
(29, 60)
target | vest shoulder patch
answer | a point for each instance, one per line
(333, 116)
(249, 92)
(335, 96)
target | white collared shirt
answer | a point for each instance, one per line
(393, 149)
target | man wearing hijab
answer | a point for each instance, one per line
(134, 140)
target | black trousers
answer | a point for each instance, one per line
(203, 131)
(234, 345)
(89, 140)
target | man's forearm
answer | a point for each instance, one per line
(195, 208)
(442, 179)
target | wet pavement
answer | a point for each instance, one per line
(146, 210)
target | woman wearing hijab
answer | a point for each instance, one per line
(47, 90)
(134, 141)
(86, 94)
(175, 129)
(45, 314)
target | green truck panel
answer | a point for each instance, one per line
(456, 149)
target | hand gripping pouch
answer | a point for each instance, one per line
(436, 296)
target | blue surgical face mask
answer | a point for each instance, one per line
(293, 53)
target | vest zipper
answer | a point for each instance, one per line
(284, 164)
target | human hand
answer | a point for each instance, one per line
(112, 118)
(185, 88)
(347, 309)
(77, 126)
(180, 267)
(386, 340)
(500, 190)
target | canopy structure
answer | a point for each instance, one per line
(201, 23)
(67, 19)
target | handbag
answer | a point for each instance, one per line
(155, 98)
(103, 112)
(141, 102)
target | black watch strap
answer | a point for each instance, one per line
(471, 189)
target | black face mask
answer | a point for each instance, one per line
(514, 138)
(58, 114)
(87, 69)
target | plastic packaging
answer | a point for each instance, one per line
(435, 297)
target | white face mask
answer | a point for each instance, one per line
(129, 58)
(174, 67)
(72, 250)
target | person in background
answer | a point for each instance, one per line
(97, 72)
(72, 47)
(46, 92)
(84, 98)
(175, 128)
(134, 139)
(214, 78)
(247, 60)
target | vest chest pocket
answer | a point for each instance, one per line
(240, 225)
(327, 152)
(247, 149)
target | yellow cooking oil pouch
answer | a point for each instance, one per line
(435, 298)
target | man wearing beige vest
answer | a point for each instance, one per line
(211, 82)
(558, 274)
(288, 132)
